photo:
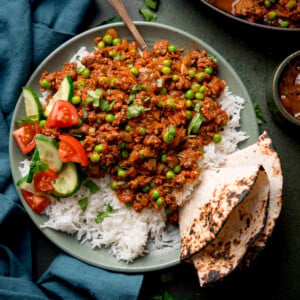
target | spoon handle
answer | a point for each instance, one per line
(121, 10)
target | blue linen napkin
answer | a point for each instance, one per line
(29, 30)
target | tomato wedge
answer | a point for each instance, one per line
(71, 149)
(63, 114)
(25, 137)
(42, 181)
(37, 203)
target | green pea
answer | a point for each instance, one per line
(208, 70)
(155, 194)
(81, 83)
(108, 39)
(128, 204)
(76, 100)
(109, 118)
(202, 89)
(79, 123)
(172, 48)
(191, 73)
(128, 128)
(166, 70)
(152, 184)
(171, 100)
(42, 123)
(189, 94)
(188, 103)
(201, 76)
(103, 78)
(163, 91)
(101, 45)
(267, 3)
(217, 138)
(291, 5)
(188, 115)
(99, 121)
(143, 131)
(142, 153)
(175, 77)
(164, 157)
(167, 139)
(159, 201)
(121, 173)
(114, 185)
(160, 104)
(170, 174)
(195, 87)
(134, 71)
(86, 73)
(46, 84)
(116, 41)
(99, 148)
(167, 63)
(124, 154)
(122, 145)
(95, 157)
(284, 24)
(112, 53)
(146, 189)
(271, 15)
(199, 96)
(177, 169)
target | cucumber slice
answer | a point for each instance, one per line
(65, 92)
(33, 106)
(35, 158)
(67, 182)
(24, 185)
(48, 152)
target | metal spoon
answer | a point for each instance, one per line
(122, 12)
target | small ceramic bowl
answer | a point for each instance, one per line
(275, 106)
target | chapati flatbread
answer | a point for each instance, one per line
(244, 225)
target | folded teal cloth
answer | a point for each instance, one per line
(30, 30)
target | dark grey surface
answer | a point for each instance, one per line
(253, 53)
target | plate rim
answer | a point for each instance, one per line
(34, 217)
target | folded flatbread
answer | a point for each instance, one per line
(233, 211)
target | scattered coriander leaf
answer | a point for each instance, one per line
(85, 115)
(159, 82)
(112, 19)
(131, 98)
(134, 110)
(91, 185)
(104, 214)
(95, 94)
(169, 135)
(151, 4)
(105, 106)
(27, 120)
(137, 88)
(197, 107)
(147, 14)
(196, 123)
(83, 203)
(259, 116)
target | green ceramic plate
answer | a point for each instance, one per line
(151, 32)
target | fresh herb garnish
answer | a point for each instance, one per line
(159, 82)
(27, 120)
(259, 116)
(91, 185)
(83, 203)
(197, 107)
(134, 110)
(131, 98)
(195, 123)
(147, 14)
(104, 214)
(151, 4)
(94, 97)
(169, 135)
(137, 88)
(112, 19)
(105, 106)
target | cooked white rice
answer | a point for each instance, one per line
(126, 231)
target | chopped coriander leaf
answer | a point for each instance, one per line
(137, 88)
(151, 4)
(131, 98)
(104, 214)
(134, 110)
(83, 203)
(197, 107)
(169, 135)
(112, 19)
(91, 186)
(196, 123)
(147, 14)
(27, 120)
(259, 116)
